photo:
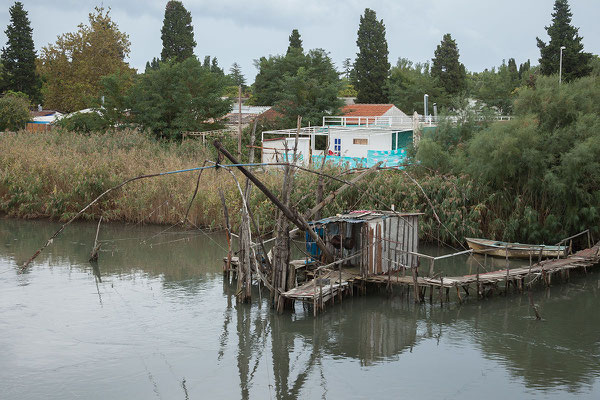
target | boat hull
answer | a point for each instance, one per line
(514, 250)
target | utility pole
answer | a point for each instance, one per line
(560, 65)
(240, 122)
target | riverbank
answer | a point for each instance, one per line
(55, 174)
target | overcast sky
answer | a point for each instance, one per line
(487, 31)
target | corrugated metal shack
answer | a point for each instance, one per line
(380, 240)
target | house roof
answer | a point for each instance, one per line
(366, 110)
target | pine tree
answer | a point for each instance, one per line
(347, 68)
(372, 66)
(152, 65)
(236, 76)
(524, 68)
(18, 57)
(447, 68)
(513, 72)
(575, 63)
(295, 42)
(177, 33)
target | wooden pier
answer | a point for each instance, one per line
(329, 284)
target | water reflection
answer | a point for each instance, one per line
(186, 313)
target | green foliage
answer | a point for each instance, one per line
(236, 77)
(178, 97)
(371, 67)
(18, 57)
(447, 68)
(408, 83)
(84, 122)
(575, 62)
(298, 84)
(14, 111)
(537, 176)
(73, 66)
(348, 89)
(152, 65)
(295, 42)
(177, 33)
(497, 88)
(114, 93)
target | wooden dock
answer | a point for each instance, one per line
(331, 283)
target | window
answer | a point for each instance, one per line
(337, 146)
(394, 140)
(360, 141)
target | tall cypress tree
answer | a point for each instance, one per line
(177, 33)
(18, 57)
(447, 68)
(371, 67)
(576, 63)
(295, 42)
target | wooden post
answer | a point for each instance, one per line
(252, 138)
(415, 281)
(94, 253)
(227, 231)
(431, 262)
(507, 270)
(290, 214)
(478, 286)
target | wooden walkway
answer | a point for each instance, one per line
(332, 283)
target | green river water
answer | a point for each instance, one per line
(156, 319)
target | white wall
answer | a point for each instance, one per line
(274, 150)
(377, 141)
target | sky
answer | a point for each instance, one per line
(486, 32)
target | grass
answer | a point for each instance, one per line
(55, 174)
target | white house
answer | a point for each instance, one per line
(363, 136)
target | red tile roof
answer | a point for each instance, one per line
(365, 110)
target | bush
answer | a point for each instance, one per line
(14, 111)
(84, 122)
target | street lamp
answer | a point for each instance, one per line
(560, 65)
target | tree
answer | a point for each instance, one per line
(347, 68)
(177, 33)
(178, 97)
(408, 83)
(73, 66)
(575, 62)
(447, 68)
(114, 96)
(236, 76)
(14, 111)
(18, 57)
(295, 42)
(298, 84)
(524, 68)
(371, 66)
(311, 92)
(152, 65)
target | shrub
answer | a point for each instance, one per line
(14, 111)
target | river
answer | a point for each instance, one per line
(156, 319)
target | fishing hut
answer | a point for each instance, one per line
(364, 244)
(370, 242)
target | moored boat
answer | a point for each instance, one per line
(514, 250)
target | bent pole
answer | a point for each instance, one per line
(290, 214)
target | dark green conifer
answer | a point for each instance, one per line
(177, 33)
(295, 42)
(447, 68)
(371, 67)
(576, 62)
(18, 57)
